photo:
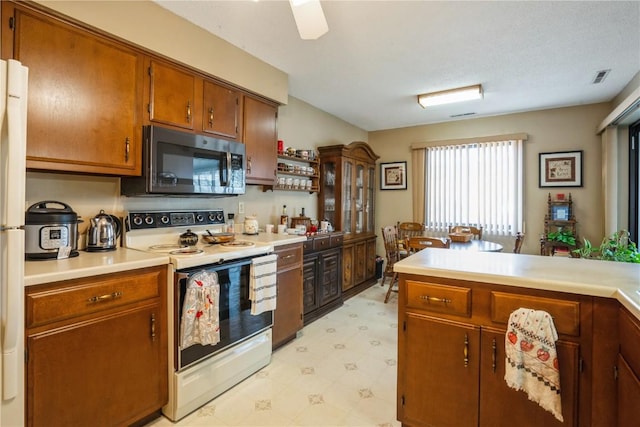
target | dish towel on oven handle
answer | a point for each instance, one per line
(201, 312)
(262, 286)
(531, 363)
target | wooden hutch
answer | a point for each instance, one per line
(346, 200)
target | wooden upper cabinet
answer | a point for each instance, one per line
(260, 138)
(221, 110)
(84, 95)
(172, 95)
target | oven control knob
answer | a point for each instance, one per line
(148, 220)
(211, 216)
(164, 219)
(220, 217)
(137, 220)
(199, 218)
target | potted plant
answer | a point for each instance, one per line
(562, 236)
(617, 247)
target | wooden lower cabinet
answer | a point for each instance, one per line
(322, 274)
(287, 317)
(451, 354)
(628, 370)
(97, 349)
(358, 265)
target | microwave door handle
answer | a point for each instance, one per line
(226, 175)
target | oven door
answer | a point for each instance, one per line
(184, 163)
(236, 321)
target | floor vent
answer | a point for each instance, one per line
(600, 76)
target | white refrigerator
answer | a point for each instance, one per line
(13, 121)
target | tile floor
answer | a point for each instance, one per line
(340, 372)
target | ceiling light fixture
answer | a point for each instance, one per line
(466, 93)
(309, 18)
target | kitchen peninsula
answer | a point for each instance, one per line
(453, 311)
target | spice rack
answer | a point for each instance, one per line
(293, 170)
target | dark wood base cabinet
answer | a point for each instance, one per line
(451, 357)
(97, 349)
(287, 317)
(628, 370)
(322, 271)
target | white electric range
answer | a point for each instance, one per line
(198, 372)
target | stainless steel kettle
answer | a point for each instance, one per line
(103, 232)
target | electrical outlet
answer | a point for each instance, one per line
(240, 207)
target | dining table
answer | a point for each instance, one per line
(477, 245)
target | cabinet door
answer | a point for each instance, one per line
(328, 194)
(171, 95)
(103, 372)
(84, 97)
(438, 385)
(348, 267)
(260, 138)
(221, 110)
(330, 286)
(309, 278)
(371, 258)
(348, 197)
(501, 405)
(287, 318)
(360, 262)
(359, 198)
(369, 207)
(628, 395)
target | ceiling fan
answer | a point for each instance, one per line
(309, 18)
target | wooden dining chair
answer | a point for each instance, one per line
(518, 244)
(392, 251)
(406, 230)
(476, 231)
(416, 244)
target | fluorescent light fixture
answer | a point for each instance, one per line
(466, 93)
(309, 18)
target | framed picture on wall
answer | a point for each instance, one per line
(393, 176)
(560, 169)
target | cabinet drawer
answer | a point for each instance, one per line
(289, 256)
(337, 240)
(80, 297)
(307, 246)
(565, 313)
(321, 243)
(629, 330)
(446, 299)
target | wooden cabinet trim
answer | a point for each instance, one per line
(436, 298)
(565, 314)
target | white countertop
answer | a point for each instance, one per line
(609, 279)
(89, 264)
(94, 263)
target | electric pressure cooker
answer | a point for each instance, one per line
(50, 232)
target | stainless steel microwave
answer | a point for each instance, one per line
(181, 163)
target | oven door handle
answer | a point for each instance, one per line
(180, 276)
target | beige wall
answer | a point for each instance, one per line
(563, 129)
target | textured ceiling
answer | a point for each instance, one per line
(378, 55)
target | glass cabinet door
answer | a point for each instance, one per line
(329, 193)
(369, 206)
(359, 198)
(347, 197)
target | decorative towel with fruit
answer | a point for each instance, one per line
(531, 360)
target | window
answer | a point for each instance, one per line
(478, 183)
